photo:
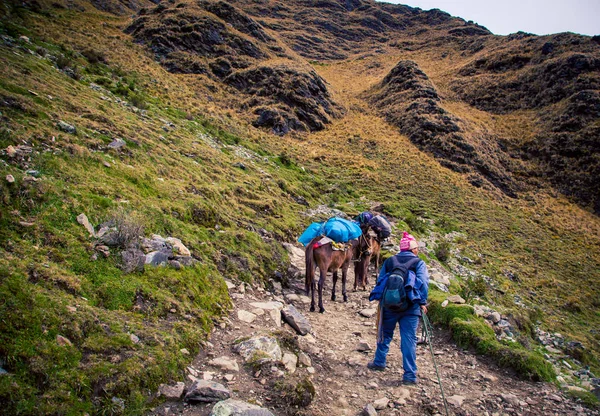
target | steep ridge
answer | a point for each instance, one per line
(409, 100)
(216, 39)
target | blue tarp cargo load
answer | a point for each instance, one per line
(338, 229)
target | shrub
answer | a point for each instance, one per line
(442, 252)
(473, 287)
(300, 394)
(128, 229)
(93, 56)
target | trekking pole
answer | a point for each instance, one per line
(428, 332)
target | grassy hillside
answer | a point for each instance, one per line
(194, 168)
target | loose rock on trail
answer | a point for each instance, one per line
(334, 355)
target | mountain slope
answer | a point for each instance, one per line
(94, 124)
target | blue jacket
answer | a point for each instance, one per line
(419, 281)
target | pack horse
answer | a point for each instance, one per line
(330, 247)
(327, 259)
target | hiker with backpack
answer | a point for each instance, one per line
(402, 290)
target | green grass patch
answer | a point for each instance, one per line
(470, 331)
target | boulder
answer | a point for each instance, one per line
(179, 247)
(495, 317)
(67, 128)
(296, 320)
(276, 317)
(231, 407)
(455, 299)
(246, 316)
(62, 341)
(267, 305)
(259, 349)
(173, 392)
(304, 359)
(132, 260)
(207, 391)
(363, 346)
(158, 258)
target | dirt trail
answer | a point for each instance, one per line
(344, 386)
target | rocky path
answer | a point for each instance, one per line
(334, 356)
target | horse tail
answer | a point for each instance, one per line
(310, 266)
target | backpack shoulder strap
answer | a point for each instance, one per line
(412, 262)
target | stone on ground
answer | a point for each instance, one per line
(246, 316)
(296, 320)
(381, 404)
(369, 410)
(83, 220)
(290, 362)
(231, 407)
(225, 363)
(510, 399)
(173, 392)
(261, 348)
(368, 313)
(268, 306)
(455, 299)
(456, 400)
(207, 391)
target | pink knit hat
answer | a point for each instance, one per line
(408, 242)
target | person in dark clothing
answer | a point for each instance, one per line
(407, 320)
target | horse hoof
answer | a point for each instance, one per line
(333, 298)
(312, 308)
(321, 310)
(345, 298)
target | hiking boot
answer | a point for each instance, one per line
(372, 366)
(409, 383)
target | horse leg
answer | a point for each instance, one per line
(335, 278)
(313, 287)
(344, 275)
(356, 275)
(321, 284)
(365, 273)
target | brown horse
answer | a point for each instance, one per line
(327, 260)
(368, 246)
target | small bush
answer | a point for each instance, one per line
(137, 100)
(442, 252)
(473, 287)
(63, 62)
(93, 56)
(127, 229)
(300, 394)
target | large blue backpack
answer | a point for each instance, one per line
(395, 297)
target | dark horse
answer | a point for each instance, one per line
(368, 246)
(327, 260)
